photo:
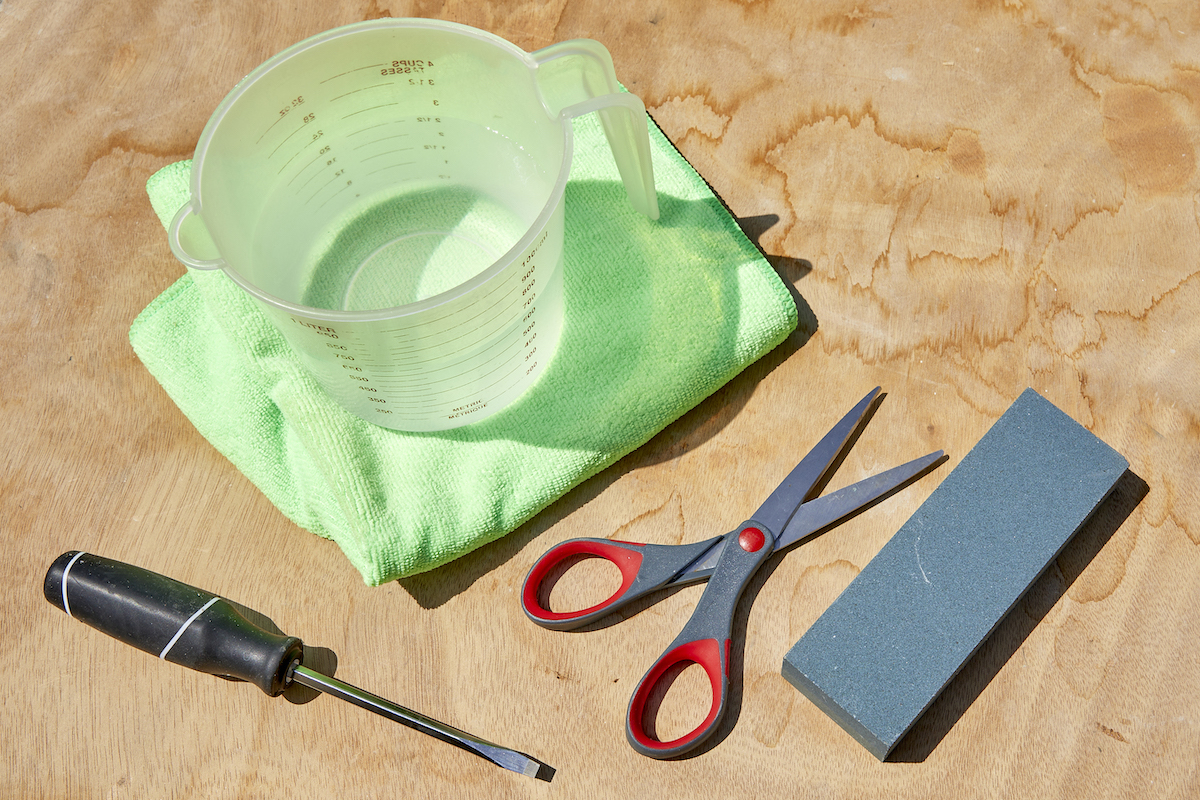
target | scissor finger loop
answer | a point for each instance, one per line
(644, 568)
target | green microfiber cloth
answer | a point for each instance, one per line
(658, 316)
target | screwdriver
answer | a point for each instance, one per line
(198, 629)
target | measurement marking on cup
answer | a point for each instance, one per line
(369, 108)
(491, 340)
(392, 166)
(412, 347)
(300, 171)
(363, 89)
(470, 400)
(398, 368)
(356, 69)
(295, 102)
(315, 138)
(388, 153)
(285, 139)
(335, 194)
(498, 382)
(501, 288)
(408, 349)
(269, 128)
(381, 139)
(419, 392)
(373, 127)
(481, 333)
(307, 119)
(325, 185)
(499, 314)
(312, 177)
(289, 161)
(416, 388)
(469, 408)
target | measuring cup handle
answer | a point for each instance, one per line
(190, 240)
(576, 77)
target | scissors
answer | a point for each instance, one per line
(789, 516)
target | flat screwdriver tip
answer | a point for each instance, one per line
(536, 769)
(514, 761)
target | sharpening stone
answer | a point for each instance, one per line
(889, 644)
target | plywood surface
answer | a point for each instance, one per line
(966, 198)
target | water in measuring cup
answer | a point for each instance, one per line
(411, 246)
(435, 202)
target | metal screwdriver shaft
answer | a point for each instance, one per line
(207, 633)
(500, 756)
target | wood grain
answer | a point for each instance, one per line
(967, 198)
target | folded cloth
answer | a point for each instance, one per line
(658, 315)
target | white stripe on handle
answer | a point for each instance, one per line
(66, 571)
(184, 627)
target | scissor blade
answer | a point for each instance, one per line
(702, 567)
(824, 512)
(799, 484)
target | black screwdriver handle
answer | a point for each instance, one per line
(169, 619)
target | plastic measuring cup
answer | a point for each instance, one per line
(391, 192)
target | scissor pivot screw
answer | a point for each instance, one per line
(751, 540)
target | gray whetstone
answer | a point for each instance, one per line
(877, 657)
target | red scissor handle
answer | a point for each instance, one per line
(713, 656)
(626, 555)
(644, 568)
(704, 640)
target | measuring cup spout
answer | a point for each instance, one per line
(576, 78)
